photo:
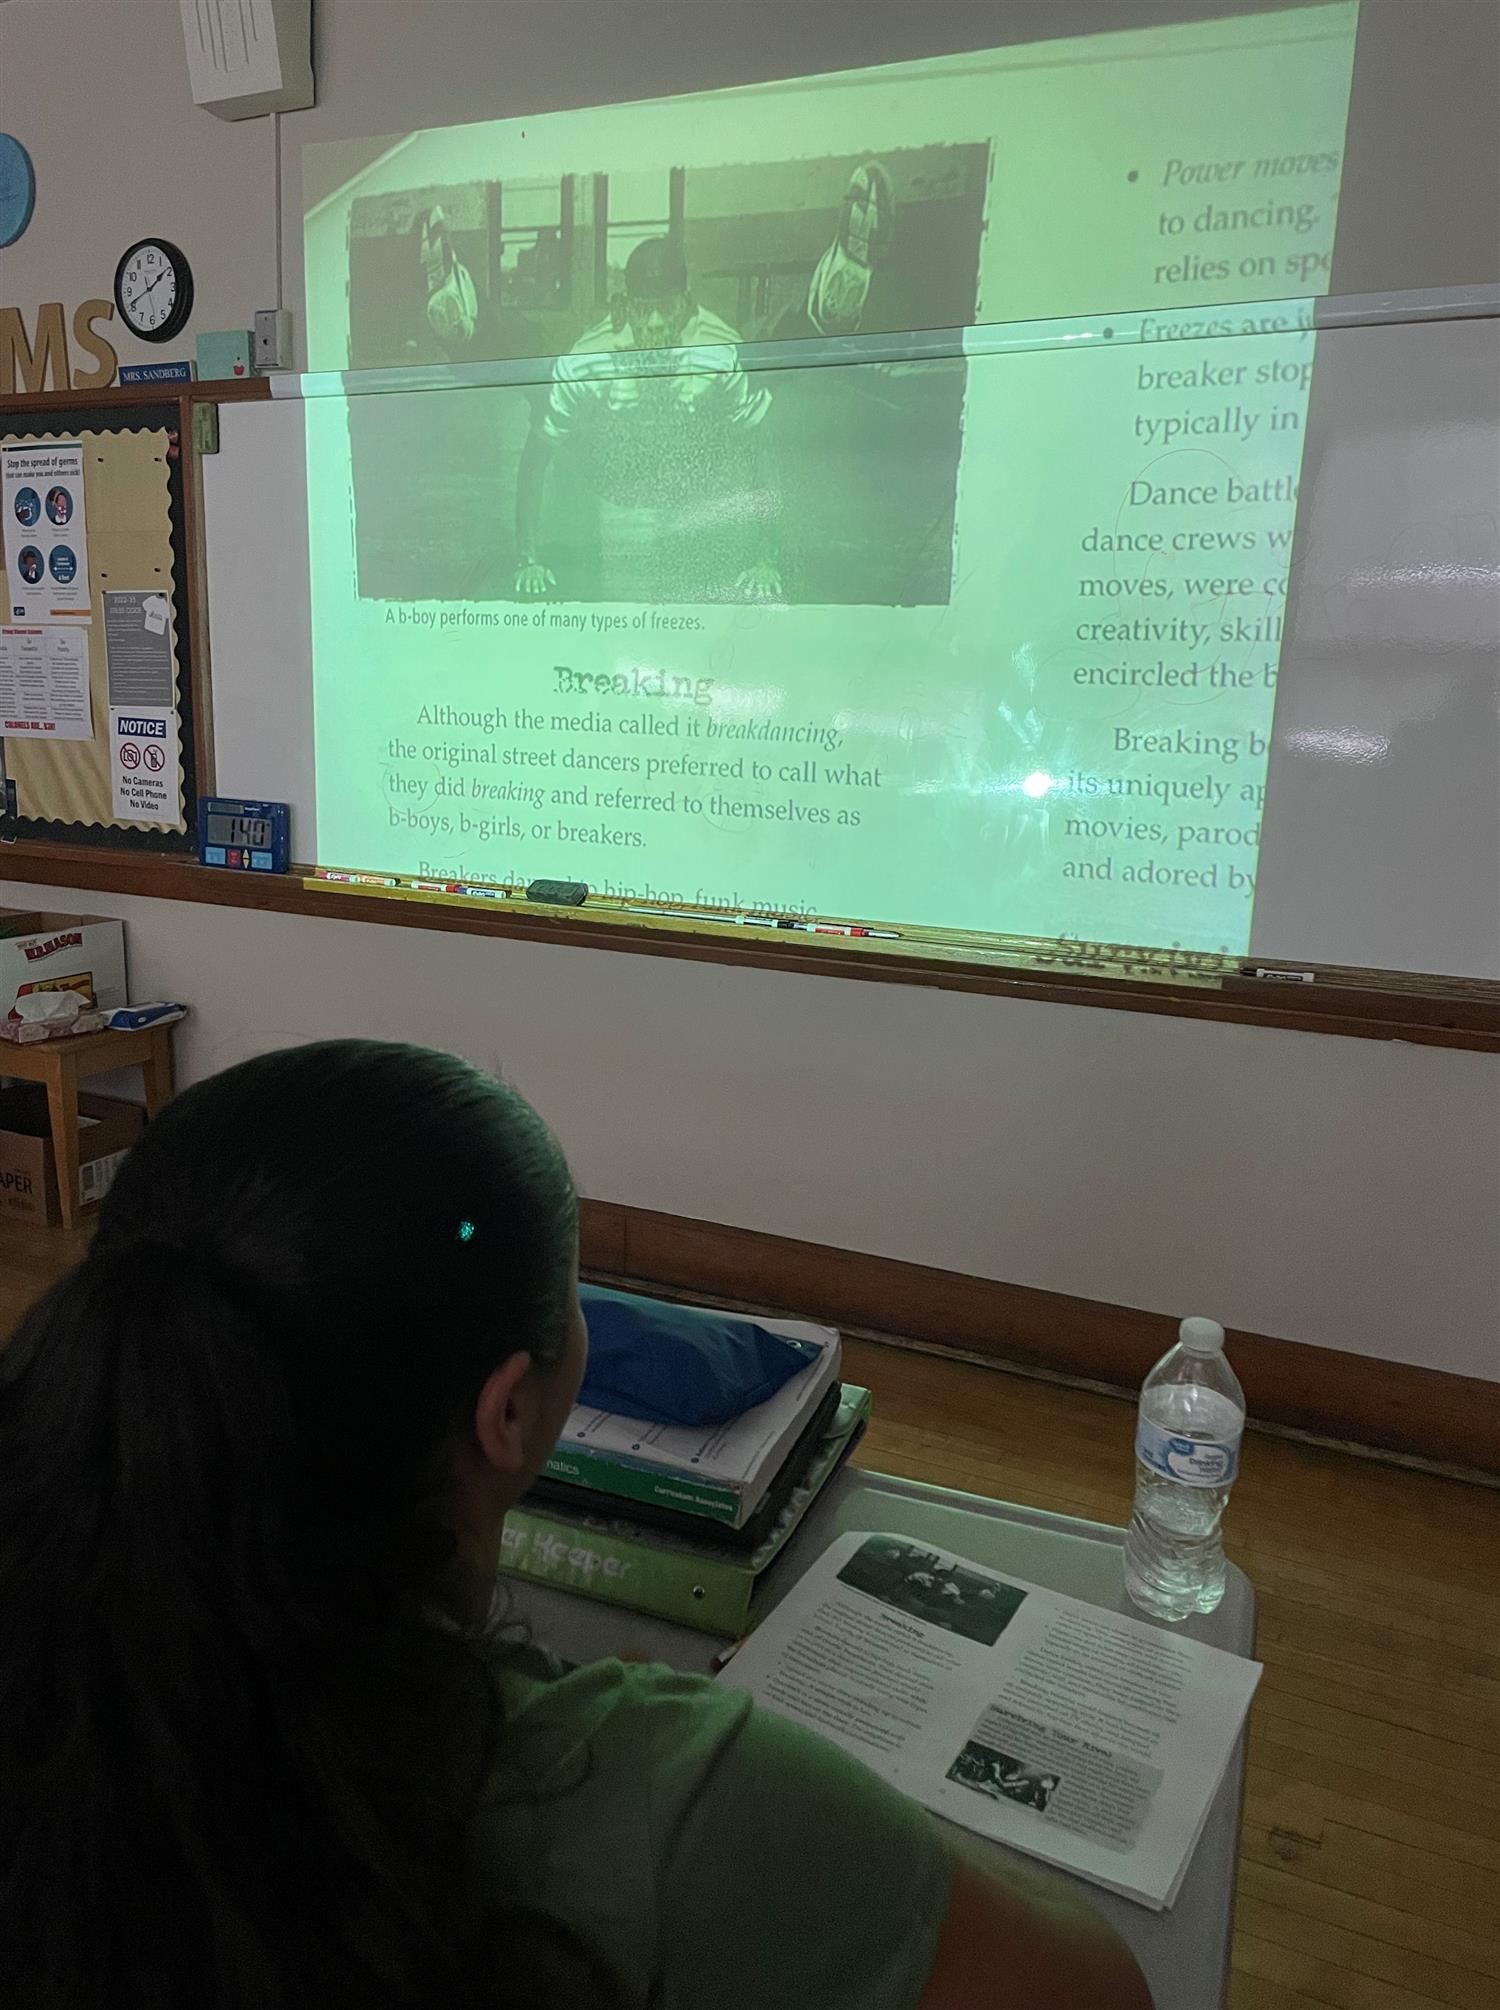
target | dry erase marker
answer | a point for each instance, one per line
(688, 914)
(483, 892)
(354, 879)
(840, 928)
(1277, 976)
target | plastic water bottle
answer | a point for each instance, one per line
(1187, 1452)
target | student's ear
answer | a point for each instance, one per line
(502, 1416)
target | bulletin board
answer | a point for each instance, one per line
(65, 790)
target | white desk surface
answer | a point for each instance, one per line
(1185, 1952)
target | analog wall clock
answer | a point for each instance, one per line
(154, 289)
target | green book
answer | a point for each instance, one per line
(696, 1583)
(602, 1473)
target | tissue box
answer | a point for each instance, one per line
(107, 1129)
(76, 952)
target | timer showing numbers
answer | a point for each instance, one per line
(243, 837)
(154, 289)
(254, 833)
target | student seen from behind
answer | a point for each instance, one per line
(266, 1740)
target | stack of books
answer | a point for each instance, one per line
(685, 1523)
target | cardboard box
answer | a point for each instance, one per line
(107, 1128)
(74, 952)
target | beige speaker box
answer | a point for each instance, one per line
(247, 57)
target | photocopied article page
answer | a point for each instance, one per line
(1093, 1741)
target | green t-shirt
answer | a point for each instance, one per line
(712, 1856)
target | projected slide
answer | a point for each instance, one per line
(984, 639)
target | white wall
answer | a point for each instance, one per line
(97, 92)
(1338, 1191)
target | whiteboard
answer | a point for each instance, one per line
(1380, 845)
(259, 612)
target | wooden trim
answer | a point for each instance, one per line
(212, 391)
(1350, 1003)
(1387, 1405)
(195, 588)
(601, 1237)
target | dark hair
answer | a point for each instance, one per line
(237, 1758)
(655, 270)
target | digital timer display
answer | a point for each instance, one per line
(252, 832)
(243, 837)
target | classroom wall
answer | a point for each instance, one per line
(97, 91)
(1337, 1192)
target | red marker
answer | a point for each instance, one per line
(840, 928)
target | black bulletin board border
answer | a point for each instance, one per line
(68, 423)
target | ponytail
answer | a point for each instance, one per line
(238, 1764)
(178, 1720)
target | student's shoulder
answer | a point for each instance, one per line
(640, 1796)
(627, 1716)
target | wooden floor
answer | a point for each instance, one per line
(1370, 1869)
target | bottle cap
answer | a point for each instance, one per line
(1201, 1336)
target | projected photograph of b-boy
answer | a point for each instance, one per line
(928, 1587)
(620, 476)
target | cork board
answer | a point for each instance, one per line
(131, 496)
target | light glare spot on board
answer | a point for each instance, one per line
(1328, 743)
(1036, 785)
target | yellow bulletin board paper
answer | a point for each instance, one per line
(68, 787)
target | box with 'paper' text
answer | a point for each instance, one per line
(107, 1128)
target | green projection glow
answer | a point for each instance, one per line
(986, 638)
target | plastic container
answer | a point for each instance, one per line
(1187, 1453)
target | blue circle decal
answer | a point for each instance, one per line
(28, 507)
(17, 189)
(29, 559)
(59, 505)
(63, 564)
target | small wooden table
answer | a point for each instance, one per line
(62, 1063)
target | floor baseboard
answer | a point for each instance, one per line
(1384, 1406)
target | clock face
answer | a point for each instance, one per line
(154, 289)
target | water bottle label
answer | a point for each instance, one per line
(1196, 1462)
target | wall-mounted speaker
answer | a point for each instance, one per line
(246, 57)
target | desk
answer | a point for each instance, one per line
(62, 1063)
(1184, 1953)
